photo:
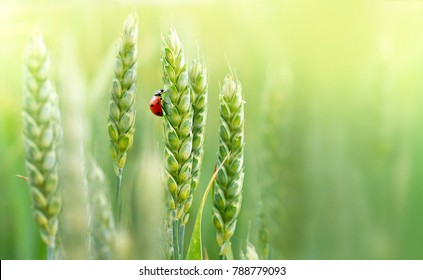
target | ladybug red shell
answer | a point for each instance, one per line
(156, 103)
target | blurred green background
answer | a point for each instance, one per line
(333, 94)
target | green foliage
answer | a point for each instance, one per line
(195, 249)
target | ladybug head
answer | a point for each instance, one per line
(159, 92)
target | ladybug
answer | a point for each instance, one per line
(156, 103)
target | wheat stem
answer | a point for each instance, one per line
(181, 240)
(176, 253)
(118, 194)
(50, 252)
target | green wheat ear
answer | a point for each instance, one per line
(227, 191)
(263, 243)
(42, 135)
(198, 83)
(102, 223)
(122, 105)
(178, 123)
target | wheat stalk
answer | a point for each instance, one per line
(122, 105)
(198, 84)
(178, 123)
(227, 191)
(42, 135)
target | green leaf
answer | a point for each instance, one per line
(195, 248)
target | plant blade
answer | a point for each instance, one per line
(195, 251)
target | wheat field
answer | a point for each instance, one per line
(332, 153)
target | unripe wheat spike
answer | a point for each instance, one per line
(198, 83)
(227, 191)
(102, 223)
(122, 105)
(42, 134)
(178, 123)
